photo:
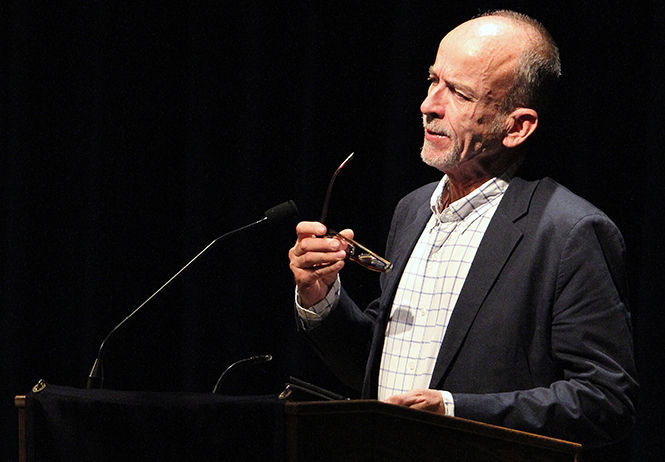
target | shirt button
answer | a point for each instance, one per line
(421, 312)
(412, 365)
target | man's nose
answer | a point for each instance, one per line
(433, 106)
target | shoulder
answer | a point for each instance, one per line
(560, 197)
(547, 201)
(548, 215)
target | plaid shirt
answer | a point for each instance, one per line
(430, 286)
(428, 290)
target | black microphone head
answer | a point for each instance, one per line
(284, 210)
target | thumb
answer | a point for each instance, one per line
(347, 233)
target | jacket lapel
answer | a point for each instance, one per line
(403, 248)
(498, 243)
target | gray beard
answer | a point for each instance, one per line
(443, 161)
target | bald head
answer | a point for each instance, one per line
(490, 47)
(538, 66)
(486, 34)
(520, 48)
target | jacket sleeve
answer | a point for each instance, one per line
(344, 338)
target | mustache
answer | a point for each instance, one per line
(434, 125)
(435, 128)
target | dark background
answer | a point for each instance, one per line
(133, 135)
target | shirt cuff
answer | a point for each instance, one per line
(448, 403)
(315, 314)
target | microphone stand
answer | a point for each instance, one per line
(96, 376)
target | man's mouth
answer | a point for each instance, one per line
(434, 133)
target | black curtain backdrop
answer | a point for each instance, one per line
(134, 134)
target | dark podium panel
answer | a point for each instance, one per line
(68, 424)
(73, 425)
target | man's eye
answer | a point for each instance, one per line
(462, 96)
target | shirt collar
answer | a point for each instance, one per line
(461, 208)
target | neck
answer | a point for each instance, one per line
(453, 191)
(470, 176)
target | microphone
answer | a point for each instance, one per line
(277, 213)
(281, 211)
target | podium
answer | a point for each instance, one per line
(369, 430)
(63, 424)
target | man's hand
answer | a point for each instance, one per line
(428, 400)
(315, 261)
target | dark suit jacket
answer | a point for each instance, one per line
(540, 337)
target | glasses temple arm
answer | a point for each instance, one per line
(326, 201)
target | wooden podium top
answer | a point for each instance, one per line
(400, 433)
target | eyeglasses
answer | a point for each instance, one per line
(354, 251)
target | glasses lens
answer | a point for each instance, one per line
(371, 262)
(362, 255)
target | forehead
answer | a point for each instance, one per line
(475, 39)
(484, 50)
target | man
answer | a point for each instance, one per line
(507, 299)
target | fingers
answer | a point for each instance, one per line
(396, 399)
(315, 264)
(308, 239)
(430, 400)
(311, 251)
(314, 228)
(310, 229)
(408, 399)
(314, 284)
(315, 261)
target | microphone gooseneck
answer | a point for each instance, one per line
(243, 362)
(279, 212)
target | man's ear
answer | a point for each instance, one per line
(522, 122)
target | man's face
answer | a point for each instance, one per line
(472, 74)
